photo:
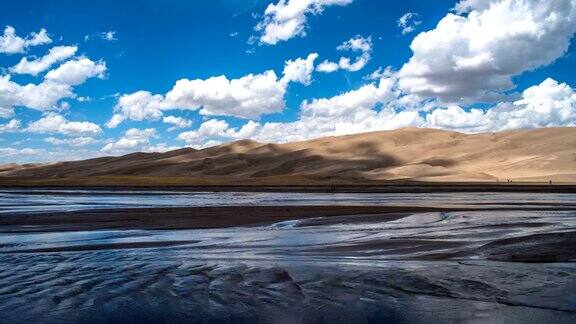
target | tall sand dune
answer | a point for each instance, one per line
(410, 154)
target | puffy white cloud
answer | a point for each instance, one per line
(458, 119)
(43, 96)
(465, 6)
(356, 44)
(55, 123)
(327, 67)
(10, 43)
(247, 97)
(299, 70)
(548, 104)
(57, 83)
(352, 102)
(139, 106)
(75, 142)
(12, 126)
(207, 129)
(116, 120)
(381, 106)
(133, 139)
(79, 128)
(474, 53)
(287, 18)
(178, 122)
(408, 22)
(75, 72)
(55, 54)
(370, 107)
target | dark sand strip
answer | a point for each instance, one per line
(547, 247)
(193, 217)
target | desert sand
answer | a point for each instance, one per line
(410, 154)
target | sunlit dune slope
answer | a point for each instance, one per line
(411, 153)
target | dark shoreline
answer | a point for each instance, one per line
(388, 188)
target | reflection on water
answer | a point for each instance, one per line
(467, 266)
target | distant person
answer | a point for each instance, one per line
(550, 181)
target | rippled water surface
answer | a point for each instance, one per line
(510, 260)
(42, 200)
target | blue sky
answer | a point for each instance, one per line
(470, 66)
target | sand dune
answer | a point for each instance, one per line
(411, 154)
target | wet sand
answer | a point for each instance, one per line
(541, 247)
(192, 217)
(219, 217)
(446, 258)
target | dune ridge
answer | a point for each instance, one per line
(416, 154)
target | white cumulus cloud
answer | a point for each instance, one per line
(299, 70)
(287, 18)
(75, 72)
(10, 43)
(249, 96)
(473, 54)
(177, 122)
(382, 106)
(132, 140)
(56, 123)
(547, 104)
(43, 96)
(356, 44)
(209, 128)
(140, 105)
(370, 107)
(54, 55)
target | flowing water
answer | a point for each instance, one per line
(510, 260)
